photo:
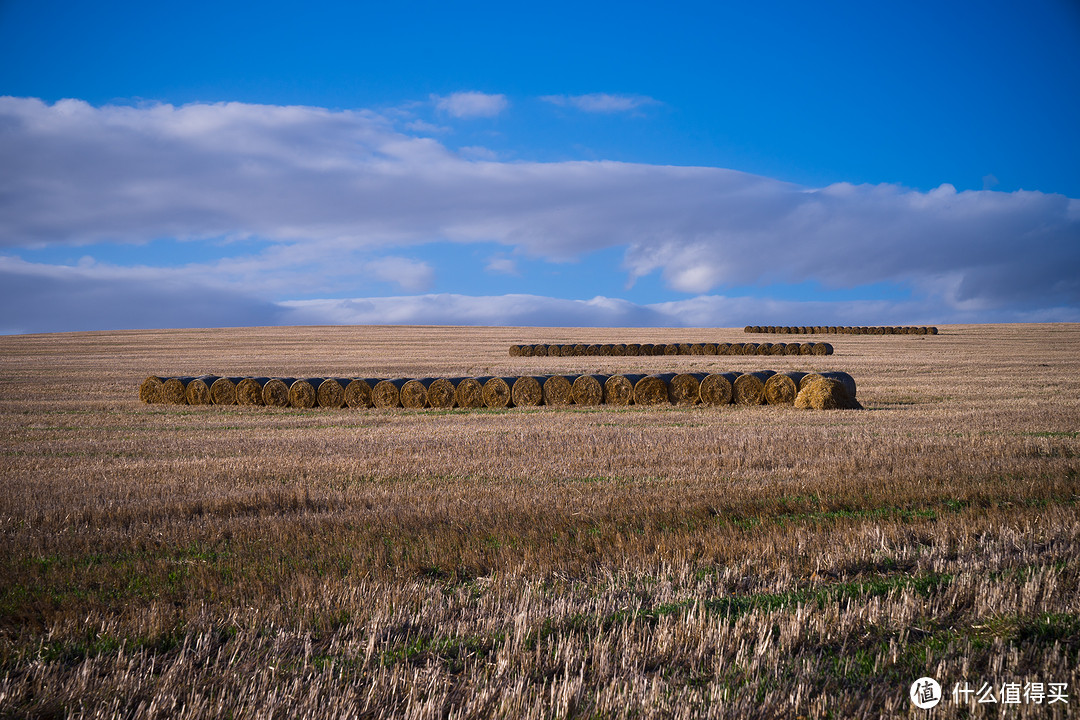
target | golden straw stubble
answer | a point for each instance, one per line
(716, 388)
(558, 390)
(469, 392)
(331, 392)
(223, 391)
(275, 392)
(749, 388)
(198, 390)
(498, 392)
(358, 392)
(249, 391)
(528, 391)
(441, 393)
(150, 389)
(387, 393)
(414, 393)
(651, 390)
(781, 388)
(589, 389)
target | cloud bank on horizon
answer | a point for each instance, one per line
(299, 214)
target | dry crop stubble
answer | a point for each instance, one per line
(642, 562)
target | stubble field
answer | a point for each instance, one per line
(189, 562)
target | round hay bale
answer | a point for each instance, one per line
(618, 350)
(777, 348)
(515, 351)
(606, 350)
(331, 392)
(748, 329)
(387, 393)
(932, 330)
(716, 388)
(684, 389)
(821, 348)
(633, 349)
(651, 390)
(792, 348)
(697, 349)
(358, 392)
(671, 349)
(588, 389)
(763, 349)
(304, 393)
(723, 348)
(150, 389)
(174, 390)
(845, 379)
(442, 392)
(558, 390)
(525, 351)
(540, 350)
(826, 394)
(198, 390)
(842, 377)
(749, 388)
(619, 389)
(592, 349)
(275, 392)
(223, 391)
(684, 348)
(749, 349)
(781, 388)
(709, 348)
(414, 393)
(498, 392)
(806, 348)
(249, 391)
(469, 392)
(581, 350)
(528, 391)
(647, 349)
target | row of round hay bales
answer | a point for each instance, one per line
(636, 349)
(682, 389)
(842, 330)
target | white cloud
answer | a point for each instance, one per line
(408, 274)
(601, 102)
(96, 296)
(470, 104)
(501, 265)
(327, 189)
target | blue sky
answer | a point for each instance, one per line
(217, 164)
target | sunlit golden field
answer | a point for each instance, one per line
(191, 562)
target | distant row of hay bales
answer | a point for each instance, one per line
(640, 349)
(831, 390)
(842, 330)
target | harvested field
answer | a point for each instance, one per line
(735, 562)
